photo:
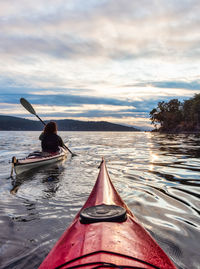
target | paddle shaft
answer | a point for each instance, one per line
(40, 119)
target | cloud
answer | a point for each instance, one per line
(120, 54)
(115, 29)
(194, 85)
(63, 100)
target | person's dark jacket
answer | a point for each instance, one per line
(51, 142)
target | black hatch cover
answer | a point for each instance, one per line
(100, 213)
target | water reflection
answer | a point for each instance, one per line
(48, 175)
(157, 175)
(183, 145)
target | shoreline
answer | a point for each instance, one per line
(176, 132)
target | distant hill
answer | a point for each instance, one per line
(9, 123)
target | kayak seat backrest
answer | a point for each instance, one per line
(35, 153)
(100, 213)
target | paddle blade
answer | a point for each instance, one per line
(27, 106)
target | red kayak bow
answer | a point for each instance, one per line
(105, 234)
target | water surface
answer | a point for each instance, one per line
(158, 176)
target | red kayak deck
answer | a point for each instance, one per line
(106, 244)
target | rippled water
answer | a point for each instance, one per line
(158, 176)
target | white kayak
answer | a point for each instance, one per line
(36, 159)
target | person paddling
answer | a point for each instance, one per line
(50, 140)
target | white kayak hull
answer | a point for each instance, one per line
(31, 162)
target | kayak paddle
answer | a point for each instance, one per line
(30, 109)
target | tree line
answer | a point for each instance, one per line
(176, 116)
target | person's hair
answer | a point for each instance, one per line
(50, 128)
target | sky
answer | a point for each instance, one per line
(94, 60)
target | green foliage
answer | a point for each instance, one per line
(176, 116)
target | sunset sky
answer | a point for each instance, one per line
(111, 60)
